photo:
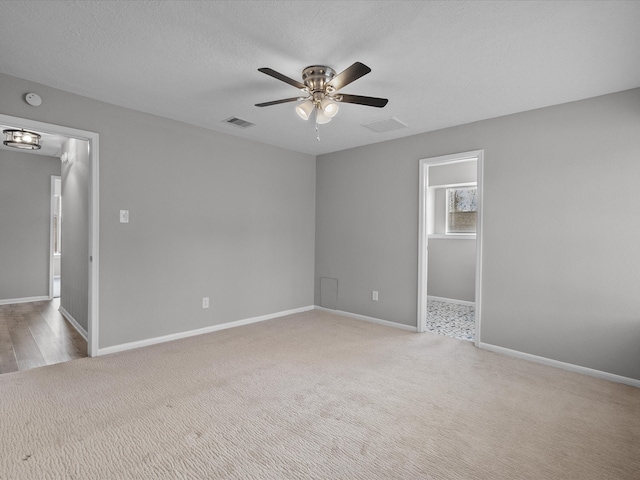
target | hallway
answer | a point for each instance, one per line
(36, 334)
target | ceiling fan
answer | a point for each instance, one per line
(320, 86)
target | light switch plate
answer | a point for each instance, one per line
(124, 216)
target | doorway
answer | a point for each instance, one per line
(450, 245)
(91, 261)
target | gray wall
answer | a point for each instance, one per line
(25, 206)
(560, 274)
(210, 215)
(448, 173)
(452, 269)
(74, 277)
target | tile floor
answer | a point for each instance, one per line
(451, 319)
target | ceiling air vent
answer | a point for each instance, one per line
(387, 125)
(238, 122)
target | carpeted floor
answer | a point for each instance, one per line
(315, 395)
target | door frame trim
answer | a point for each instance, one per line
(94, 213)
(51, 239)
(423, 237)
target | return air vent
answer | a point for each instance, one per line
(387, 125)
(238, 122)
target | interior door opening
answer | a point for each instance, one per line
(79, 184)
(450, 245)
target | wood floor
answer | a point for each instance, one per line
(36, 334)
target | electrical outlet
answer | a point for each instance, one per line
(374, 295)
(205, 302)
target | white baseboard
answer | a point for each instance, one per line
(612, 377)
(74, 323)
(190, 333)
(451, 300)
(379, 321)
(10, 301)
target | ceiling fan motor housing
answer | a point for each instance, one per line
(317, 77)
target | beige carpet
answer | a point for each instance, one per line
(315, 395)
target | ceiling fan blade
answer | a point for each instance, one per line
(272, 73)
(360, 100)
(349, 75)
(276, 102)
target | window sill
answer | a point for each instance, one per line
(442, 236)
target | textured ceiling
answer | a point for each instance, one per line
(440, 63)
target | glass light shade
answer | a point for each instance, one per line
(329, 107)
(304, 109)
(321, 117)
(22, 139)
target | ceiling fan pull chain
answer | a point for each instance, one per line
(317, 132)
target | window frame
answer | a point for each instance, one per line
(462, 186)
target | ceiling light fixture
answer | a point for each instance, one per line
(322, 117)
(22, 139)
(321, 95)
(329, 107)
(305, 109)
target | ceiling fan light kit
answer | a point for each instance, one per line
(329, 107)
(305, 109)
(321, 117)
(320, 85)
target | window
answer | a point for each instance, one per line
(462, 210)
